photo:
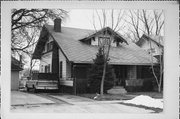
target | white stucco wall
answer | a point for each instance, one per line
(14, 80)
(45, 60)
(66, 67)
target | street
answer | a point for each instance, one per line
(65, 103)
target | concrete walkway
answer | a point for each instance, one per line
(72, 99)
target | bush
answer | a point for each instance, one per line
(148, 84)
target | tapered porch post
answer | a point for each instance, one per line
(74, 79)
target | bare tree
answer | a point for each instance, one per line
(25, 22)
(149, 23)
(30, 51)
(107, 19)
(135, 29)
(159, 22)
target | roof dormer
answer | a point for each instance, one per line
(103, 37)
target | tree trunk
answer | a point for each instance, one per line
(103, 78)
(159, 88)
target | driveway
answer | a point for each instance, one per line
(61, 103)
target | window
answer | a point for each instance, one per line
(103, 41)
(47, 68)
(60, 69)
(42, 67)
(50, 46)
(152, 50)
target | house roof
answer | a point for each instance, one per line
(15, 64)
(78, 52)
(156, 39)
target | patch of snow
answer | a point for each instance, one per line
(146, 101)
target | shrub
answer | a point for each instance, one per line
(96, 72)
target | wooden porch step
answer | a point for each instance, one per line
(117, 90)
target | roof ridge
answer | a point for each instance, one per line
(71, 27)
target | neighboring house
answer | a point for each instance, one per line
(152, 44)
(16, 66)
(69, 52)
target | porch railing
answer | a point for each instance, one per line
(67, 78)
(66, 81)
(137, 82)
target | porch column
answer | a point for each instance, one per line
(74, 78)
(132, 72)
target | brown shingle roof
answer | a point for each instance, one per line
(79, 52)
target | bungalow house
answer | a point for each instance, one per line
(16, 66)
(69, 52)
(153, 44)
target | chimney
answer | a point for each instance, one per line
(57, 25)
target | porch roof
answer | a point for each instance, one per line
(78, 52)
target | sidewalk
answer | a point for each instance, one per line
(21, 98)
(23, 102)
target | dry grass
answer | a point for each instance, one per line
(108, 97)
(127, 96)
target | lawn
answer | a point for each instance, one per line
(108, 97)
(127, 96)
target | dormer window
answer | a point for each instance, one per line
(103, 41)
(103, 37)
(151, 50)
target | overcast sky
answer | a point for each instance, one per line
(79, 18)
(83, 18)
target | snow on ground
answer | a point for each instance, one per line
(146, 101)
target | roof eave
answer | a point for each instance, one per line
(115, 63)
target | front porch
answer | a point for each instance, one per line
(131, 77)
